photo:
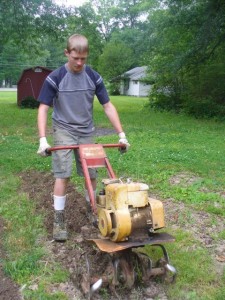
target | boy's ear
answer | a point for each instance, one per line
(66, 52)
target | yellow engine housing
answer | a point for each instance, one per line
(124, 209)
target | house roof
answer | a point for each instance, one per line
(135, 73)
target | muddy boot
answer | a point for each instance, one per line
(59, 226)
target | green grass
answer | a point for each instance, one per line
(163, 146)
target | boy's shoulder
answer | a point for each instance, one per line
(95, 76)
(58, 72)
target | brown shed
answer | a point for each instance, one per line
(30, 82)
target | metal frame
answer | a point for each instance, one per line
(91, 156)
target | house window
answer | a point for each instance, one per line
(135, 81)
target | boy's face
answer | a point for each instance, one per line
(76, 60)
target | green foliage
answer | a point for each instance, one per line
(24, 267)
(192, 105)
(164, 101)
(36, 22)
(113, 15)
(203, 108)
(41, 293)
(118, 58)
(28, 18)
(187, 55)
(29, 102)
(182, 43)
(114, 88)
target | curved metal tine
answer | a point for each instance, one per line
(149, 260)
(88, 273)
(165, 253)
(115, 262)
(96, 286)
(173, 270)
(115, 266)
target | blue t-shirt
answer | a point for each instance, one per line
(72, 96)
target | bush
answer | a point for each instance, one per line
(168, 102)
(203, 108)
(114, 88)
(29, 102)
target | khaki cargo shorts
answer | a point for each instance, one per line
(62, 160)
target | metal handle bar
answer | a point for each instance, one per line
(49, 150)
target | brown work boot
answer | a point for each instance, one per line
(59, 226)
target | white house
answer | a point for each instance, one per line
(132, 84)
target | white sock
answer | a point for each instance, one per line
(59, 202)
(87, 196)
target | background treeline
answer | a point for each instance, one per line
(181, 41)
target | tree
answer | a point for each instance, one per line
(129, 13)
(26, 20)
(187, 42)
(115, 60)
(24, 26)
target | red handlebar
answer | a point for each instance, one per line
(49, 150)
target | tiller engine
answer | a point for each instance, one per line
(128, 219)
(125, 212)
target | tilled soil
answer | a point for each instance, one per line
(77, 251)
(77, 254)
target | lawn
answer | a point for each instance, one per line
(164, 148)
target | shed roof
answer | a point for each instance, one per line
(33, 68)
(135, 73)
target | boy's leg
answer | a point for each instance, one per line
(59, 198)
(62, 168)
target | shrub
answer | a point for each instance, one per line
(199, 107)
(162, 101)
(203, 108)
(114, 88)
(29, 102)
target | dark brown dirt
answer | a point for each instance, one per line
(77, 251)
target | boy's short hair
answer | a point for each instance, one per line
(78, 43)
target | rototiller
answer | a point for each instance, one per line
(127, 219)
